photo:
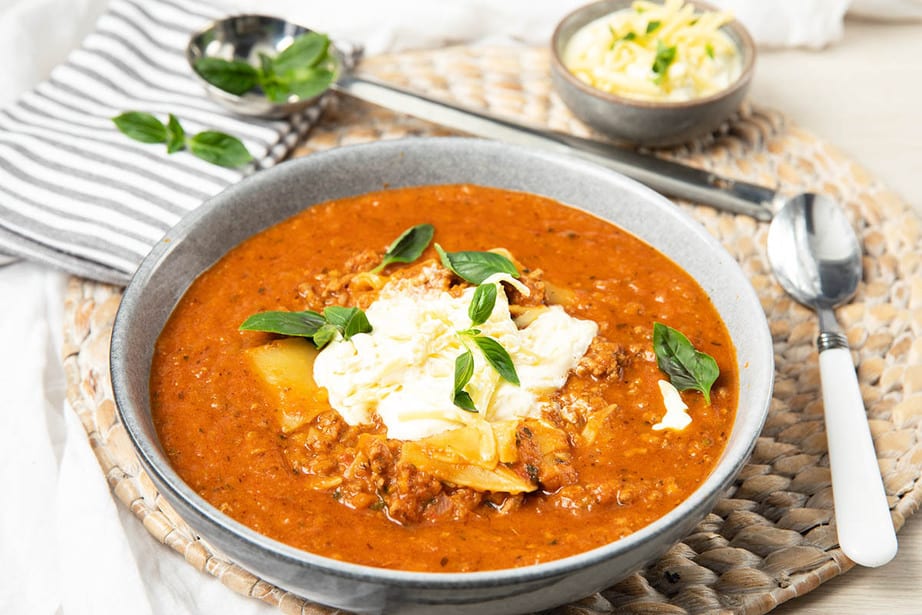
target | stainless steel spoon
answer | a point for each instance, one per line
(816, 257)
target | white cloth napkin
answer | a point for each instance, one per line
(77, 194)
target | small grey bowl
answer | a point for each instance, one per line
(641, 122)
(268, 197)
(243, 37)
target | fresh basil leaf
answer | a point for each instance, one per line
(269, 81)
(176, 135)
(469, 332)
(475, 267)
(236, 77)
(497, 356)
(306, 51)
(325, 335)
(463, 400)
(350, 321)
(653, 25)
(408, 247)
(298, 324)
(219, 148)
(313, 82)
(142, 127)
(687, 367)
(464, 370)
(629, 36)
(482, 304)
(664, 57)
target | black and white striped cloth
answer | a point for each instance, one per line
(78, 195)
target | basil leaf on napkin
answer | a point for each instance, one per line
(142, 127)
(212, 146)
(176, 139)
(219, 148)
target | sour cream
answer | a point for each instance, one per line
(403, 370)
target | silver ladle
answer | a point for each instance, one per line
(814, 252)
(816, 258)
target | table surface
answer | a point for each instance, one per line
(862, 94)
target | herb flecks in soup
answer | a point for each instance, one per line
(335, 454)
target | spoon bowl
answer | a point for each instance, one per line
(244, 38)
(816, 258)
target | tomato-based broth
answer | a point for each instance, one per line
(244, 423)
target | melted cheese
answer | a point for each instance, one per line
(403, 370)
(616, 53)
(676, 416)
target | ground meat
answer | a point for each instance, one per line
(410, 493)
(604, 360)
(544, 455)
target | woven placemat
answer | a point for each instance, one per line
(771, 538)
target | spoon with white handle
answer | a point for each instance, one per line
(816, 257)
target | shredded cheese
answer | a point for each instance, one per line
(655, 52)
(403, 371)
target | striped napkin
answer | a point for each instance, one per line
(77, 194)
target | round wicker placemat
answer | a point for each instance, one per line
(772, 537)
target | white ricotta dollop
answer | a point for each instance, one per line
(403, 370)
(676, 416)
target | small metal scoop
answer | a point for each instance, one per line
(816, 257)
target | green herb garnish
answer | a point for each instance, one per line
(479, 310)
(709, 49)
(464, 370)
(142, 127)
(475, 267)
(408, 247)
(664, 58)
(482, 304)
(176, 135)
(652, 26)
(497, 357)
(321, 328)
(235, 76)
(219, 148)
(304, 69)
(210, 145)
(687, 367)
(629, 36)
(349, 320)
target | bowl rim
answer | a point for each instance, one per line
(155, 462)
(746, 47)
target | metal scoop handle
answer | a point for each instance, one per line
(667, 177)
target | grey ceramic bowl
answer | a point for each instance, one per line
(640, 122)
(270, 196)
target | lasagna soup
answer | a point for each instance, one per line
(532, 383)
